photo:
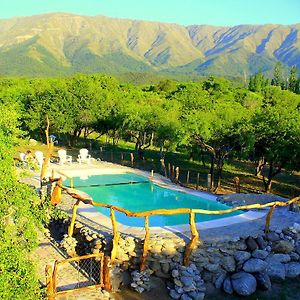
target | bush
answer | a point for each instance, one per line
(20, 213)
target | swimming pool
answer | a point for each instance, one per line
(136, 193)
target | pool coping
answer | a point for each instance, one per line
(90, 212)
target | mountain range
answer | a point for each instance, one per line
(60, 44)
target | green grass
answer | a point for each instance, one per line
(286, 184)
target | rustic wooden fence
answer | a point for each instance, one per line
(146, 214)
(77, 274)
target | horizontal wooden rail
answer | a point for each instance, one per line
(192, 212)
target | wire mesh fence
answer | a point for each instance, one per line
(78, 273)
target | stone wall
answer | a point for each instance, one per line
(239, 266)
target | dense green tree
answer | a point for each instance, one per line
(278, 79)
(258, 82)
(19, 215)
(293, 79)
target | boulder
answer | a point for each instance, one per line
(261, 254)
(292, 269)
(195, 295)
(241, 256)
(282, 247)
(185, 297)
(276, 271)
(219, 281)
(227, 286)
(244, 284)
(278, 257)
(251, 243)
(174, 295)
(212, 267)
(272, 236)
(228, 264)
(262, 244)
(254, 265)
(263, 281)
(294, 256)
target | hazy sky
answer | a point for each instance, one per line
(186, 12)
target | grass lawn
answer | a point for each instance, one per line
(286, 184)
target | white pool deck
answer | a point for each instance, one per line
(99, 168)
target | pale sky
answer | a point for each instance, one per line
(186, 12)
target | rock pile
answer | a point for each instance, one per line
(271, 257)
(141, 281)
(239, 266)
(69, 244)
(187, 283)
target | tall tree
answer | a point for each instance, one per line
(293, 79)
(277, 76)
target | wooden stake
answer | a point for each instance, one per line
(194, 239)
(198, 178)
(116, 236)
(71, 226)
(49, 282)
(177, 174)
(188, 177)
(106, 275)
(146, 245)
(268, 219)
(132, 158)
(169, 170)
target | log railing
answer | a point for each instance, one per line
(191, 211)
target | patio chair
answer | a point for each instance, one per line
(39, 156)
(63, 157)
(22, 159)
(84, 156)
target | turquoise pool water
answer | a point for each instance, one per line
(142, 195)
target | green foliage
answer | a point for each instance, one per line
(258, 83)
(20, 213)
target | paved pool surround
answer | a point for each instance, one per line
(101, 168)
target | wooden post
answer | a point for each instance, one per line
(122, 156)
(49, 282)
(163, 166)
(177, 174)
(146, 245)
(90, 146)
(169, 170)
(194, 239)
(151, 175)
(188, 177)
(173, 173)
(198, 179)
(209, 182)
(116, 235)
(237, 184)
(106, 276)
(132, 158)
(111, 156)
(268, 219)
(101, 154)
(71, 226)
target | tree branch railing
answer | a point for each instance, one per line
(146, 214)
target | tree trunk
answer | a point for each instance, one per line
(260, 167)
(268, 182)
(212, 170)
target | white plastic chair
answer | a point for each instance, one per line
(84, 156)
(39, 156)
(22, 157)
(63, 157)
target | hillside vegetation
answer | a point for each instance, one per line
(62, 44)
(212, 118)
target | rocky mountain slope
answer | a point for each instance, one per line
(60, 44)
